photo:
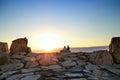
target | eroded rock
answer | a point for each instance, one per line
(10, 67)
(4, 58)
(3, 47)
(114, 49)
(19, 45)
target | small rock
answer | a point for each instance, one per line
(18, 76)
(91, 67)
(17, 56)
(81, 62)
(30, 70)
(82, 57)
(30, 59)
(6, 74)
(68, 63)
(75, 69)
(9, 67)
(31, 64)
(31, 77)
(78, 79)
(32, 54)
(51, 67)
(70, 75)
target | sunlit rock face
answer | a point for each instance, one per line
(3, 47)
(101, 57)
(19, 45)
(48, 59)
(114, 49)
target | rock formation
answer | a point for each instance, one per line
(3, 47)
(4, 58)
(19, 45)
(114, 49)
(101, 57)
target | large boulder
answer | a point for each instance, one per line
(3, 47)
(4, 58)
(19, 45)
(114, 49)
(101, 57)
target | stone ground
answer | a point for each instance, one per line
(59, 66)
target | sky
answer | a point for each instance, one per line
(77, 23)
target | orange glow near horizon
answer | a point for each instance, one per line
(47, 41)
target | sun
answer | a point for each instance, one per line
(47, 42)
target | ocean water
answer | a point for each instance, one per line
(77, 49)
(89, 49)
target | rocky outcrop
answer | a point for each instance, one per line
(19, 45)
(3, 47)
(56, 67)
(4, 58)
(101, 57)
(114, 49)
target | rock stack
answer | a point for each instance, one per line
(19, 45)
(3, 47)
(4, 57)
(114, 49)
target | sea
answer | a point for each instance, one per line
(77, 49)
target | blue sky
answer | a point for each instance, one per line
(77, 22)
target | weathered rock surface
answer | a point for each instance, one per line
(48, 59)
(68, 63)
(9, 67)
(4, 58)
(114, 49)
(67, 67)
(19, 45)
(101, 57)
(3, 47)
(31, 77)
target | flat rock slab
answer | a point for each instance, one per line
(31, 77)
(112, 68)
(6, 74)
(68, 63)
(75, 69)
(115, 71)
(78, 79)
(70, 75)
(30, 70)
(51, 67)
(10, 67)
(18, 76)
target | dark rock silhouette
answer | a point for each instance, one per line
(19, 45)
(114, 49)
(3, 47)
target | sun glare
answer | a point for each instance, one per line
(47, 42)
